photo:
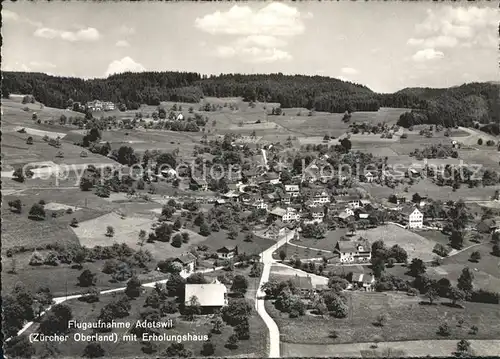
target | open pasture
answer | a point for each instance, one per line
(19, 230)
(17, 152)
(415, 245)
(93, 233)
(407, 319)
(392, 349)
(486, 271)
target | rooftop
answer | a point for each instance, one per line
(208, 295)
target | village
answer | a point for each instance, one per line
(254, 179)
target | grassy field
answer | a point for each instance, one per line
(412, 348)
(486, 271)
(254, 347)
(415, 245)
(19, 230)
(407, 320)
(17, 152)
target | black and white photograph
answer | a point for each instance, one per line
(250, 179)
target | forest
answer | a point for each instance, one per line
(466, 105)
(470, 105)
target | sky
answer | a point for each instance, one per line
(386, 46)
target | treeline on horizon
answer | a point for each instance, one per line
(463, 106)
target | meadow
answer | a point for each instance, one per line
(407, 319)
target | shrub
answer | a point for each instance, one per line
(444, 330)
(36, 259)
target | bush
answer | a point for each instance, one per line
(36, 259)
(444, 330)
(441, 250)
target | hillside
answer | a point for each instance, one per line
(133, 89)
(461, 105)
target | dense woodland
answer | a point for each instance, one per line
(464, 105)
(467, 105)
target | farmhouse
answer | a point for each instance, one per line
(200, 183)
(317, 214)
(292, 190)
(321, 197)
(303, 284)
(188, 262)
(211, 296)
(363, 281)
(275, 231)
(286, 215)
(412, 217)
(487, 226)
(354, 251)
(227, 252)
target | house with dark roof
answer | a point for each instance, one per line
(363, 281)
(210, 296)
(487, 226)
(188, 262)
(412, 217)
(275, 230)
(354, 251)
(227, 252)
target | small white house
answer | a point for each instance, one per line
(227, 252)
(188, 261)
(292, 189)
(321, 198)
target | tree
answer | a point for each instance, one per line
(417, 267)
(240, 285)
(217, 325)
(126, 156)
(456, 295)
(15, 205)
(193, 308)
(378, 266)
(475, 256)
(444, 330)
(110, 231)
(204, 230)
(37, 212)
(381, 320)
(87, 278)
(457, 239)
(232, 342)
(86, 184)
(282, 255)
(480, 141)
(208, 349)
(19, 347)
(177, 241)
(463, 347)
(431, 295)
(496, 250)
(133, 289)
(56, 321)
(177, 224)
(93, 350)
(175, 285)
(465, 280)
(242, 330)
(177, 350)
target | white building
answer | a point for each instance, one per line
(413, 217)
(321, 198)
(350, 251)
(292, 189)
